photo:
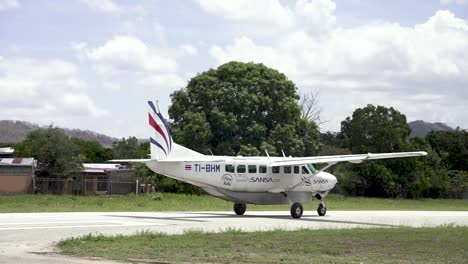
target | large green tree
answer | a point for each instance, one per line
(242, 108)
(56, 153)
(452, 147)
(375, 129)
(378, 129)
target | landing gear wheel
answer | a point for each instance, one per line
(296, 210)
(321, 210)
(239, 209)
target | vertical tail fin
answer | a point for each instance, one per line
(160, 139)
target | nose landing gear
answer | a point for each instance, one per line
(239, 209)
(321, 210)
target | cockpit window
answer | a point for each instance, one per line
(311, 168)
(304, 170)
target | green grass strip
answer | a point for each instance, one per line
(182, 202)
(380, 245)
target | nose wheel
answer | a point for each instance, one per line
(239, 209)
(321, 210)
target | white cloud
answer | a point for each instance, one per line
(267, 12)
(129, 58)
(8, 4)
(244, 49)
(43, 91)
(458, 2)
(315, 16)
(107, 6)
(369, 63)
(189, 50)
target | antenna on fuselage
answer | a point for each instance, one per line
(266, 152)
(284, 156)
(157, 105)
(210, 152)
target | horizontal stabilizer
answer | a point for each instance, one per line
(129, 160)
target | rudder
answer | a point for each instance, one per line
(160, 139)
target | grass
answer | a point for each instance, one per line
(385, 245)
(181, 202)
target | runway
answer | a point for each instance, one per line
(30, 237)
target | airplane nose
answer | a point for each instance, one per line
(331, 179)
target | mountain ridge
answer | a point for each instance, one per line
(420, 128)
(13, 131)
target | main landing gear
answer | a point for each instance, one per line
(239, 209)
(296, 210)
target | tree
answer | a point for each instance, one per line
(92, 151)
(452, 147)
(381, 129)
(375, 129)
(310, 107)
(241, 108)
(193, 131)
(57, 155)
(127, 149)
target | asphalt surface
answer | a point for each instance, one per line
(30, 237)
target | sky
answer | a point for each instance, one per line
(93, 64)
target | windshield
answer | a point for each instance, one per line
(311, 168)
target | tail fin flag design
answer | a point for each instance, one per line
(161, 141)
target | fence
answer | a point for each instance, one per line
(112, 182)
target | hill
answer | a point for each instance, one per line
(15, 131)
(420, 128)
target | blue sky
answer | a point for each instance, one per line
(94, 64)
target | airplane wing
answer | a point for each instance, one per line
(355, 158)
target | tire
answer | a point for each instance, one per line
(321, 210)
(296, 210)
(239, 209)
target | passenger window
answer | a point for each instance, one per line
(229, 168)
(296, 169)
(304, 170)
(240, 168)
(287, 169)
(262, 169)
(275, 169)
(252, 168)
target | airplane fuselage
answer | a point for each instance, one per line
(249, 179)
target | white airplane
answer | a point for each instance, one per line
(248, 180)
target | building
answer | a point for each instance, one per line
(17, 175)
(106, 178)
(6, 152)
(94, 179)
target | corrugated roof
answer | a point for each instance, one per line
(7, 151)
(99, 167)
(17, 161)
